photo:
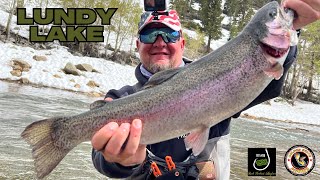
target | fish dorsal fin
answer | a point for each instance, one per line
(97, 104)
(197, 140)
(161, 77)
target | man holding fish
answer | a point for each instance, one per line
(174, 123)
(112, 158)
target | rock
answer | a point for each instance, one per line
(77, 86)
(20, 64)
(301, 129)
(17, 67)
(84, 67)
(46, 29)
(24, 81)
(72, 80)
(77, 54)
(17, 73)
(92, 84)
(226, 26)
(123, 57)
(278, 100)
(40, 58)
(288, 121)
(96, 71)
(267, 102)
(43, 46)
(71, 69)
(109, 47)
(56, 76)
(95, 94)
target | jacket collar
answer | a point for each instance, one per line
(143, 79)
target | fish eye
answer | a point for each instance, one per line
(273, 13)
(286, 10)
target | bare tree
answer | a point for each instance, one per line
(12, 9)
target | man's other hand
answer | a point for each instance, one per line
(111, 141)
(308, 11)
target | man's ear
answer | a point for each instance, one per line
(137, 44)
(182, 43)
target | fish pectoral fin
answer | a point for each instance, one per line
(97, 104)
(161, 77)
(197, 140)
(275, 72)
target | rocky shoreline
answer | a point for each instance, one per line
(89, 94)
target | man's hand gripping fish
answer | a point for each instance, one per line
(179, 101)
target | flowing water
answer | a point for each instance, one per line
(21, 105)
(280, 135)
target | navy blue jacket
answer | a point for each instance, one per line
(176, 147)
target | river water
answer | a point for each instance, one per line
(20, 105)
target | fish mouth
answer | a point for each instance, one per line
(281, 34)
(273, 51)
(275, 47)
(277, 42)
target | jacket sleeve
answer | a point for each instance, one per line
(274, 88)
(112, 170)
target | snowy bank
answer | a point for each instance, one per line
(49, 73)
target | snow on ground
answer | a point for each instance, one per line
(112, 75)
(302, 111)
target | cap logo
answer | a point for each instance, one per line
(171, 20)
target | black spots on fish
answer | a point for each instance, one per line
(115, 112)
(41, 137)
(58, 135)
(244, 74)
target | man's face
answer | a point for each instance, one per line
(160, 55)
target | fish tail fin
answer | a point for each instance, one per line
(46, 154)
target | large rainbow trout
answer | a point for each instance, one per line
(179, 101)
